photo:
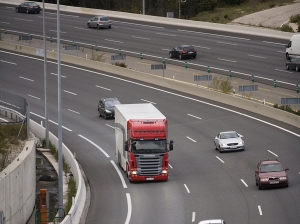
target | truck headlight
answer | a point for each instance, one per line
(134, 172)
(165, 171)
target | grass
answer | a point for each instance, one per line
(228, 13)
(287, 108)
(9, 135)
(222, 85)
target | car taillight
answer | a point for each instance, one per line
(30, 7)
(195, 51)
(100, 22)
(184, 52)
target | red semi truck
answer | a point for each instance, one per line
(142, 150)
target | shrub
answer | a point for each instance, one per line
(120, 64)
(226, 86)
(295, 18)
(97, 57)
(206, 5)
(287, 28)
(272, 5)
(287, 108)
(225, 16)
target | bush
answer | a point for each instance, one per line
(287, 108)
(206, 5)
(272, 5)
(97, 57)
(287, 28)
(225, 16)
(295, 18)
(223, 85)
(120, 64)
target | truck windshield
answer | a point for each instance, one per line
(152, 146)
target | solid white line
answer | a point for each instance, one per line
(5, 22)
(70, 92)
(187, 188)
(165, 34)
(103, 88)
(170, 166)
(194, 116)
(73, 111)
(119, 173)
(244, 182)
(8, 62)
(60, 75)
(251, 55)
(34, 97)
(144, 38)
(148, 101)
(272, 153)
(165, 91)
(282, 70)
(193, 216)
(226, 60)
(26, 79)
(3, 119)
(50, 121)
(114, 41)
(81, 28)
(110, 126)
(47, 17)
(24, 19)
(94, 145)
(259, 210)
(226, 43)
(201, 47)
(56, 31)
(273, 43)
(190, 139)
(281, 52)
(220, 159)
(129, 208)
(212, 34)
(67, 15)
(284, 23)
(136, 24)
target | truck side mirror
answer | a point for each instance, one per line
(171, 145)
(126, 146)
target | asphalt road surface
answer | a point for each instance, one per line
(203, 184)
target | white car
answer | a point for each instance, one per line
(228, 141)
(213, 221)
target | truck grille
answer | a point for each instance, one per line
(149, 164)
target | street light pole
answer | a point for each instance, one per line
(179, 9)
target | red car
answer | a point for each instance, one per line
(270, 173)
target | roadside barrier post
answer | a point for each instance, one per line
(4, 31)
(119, 51)
(297, 88)
(275, 83)
(208, 69)
(252, 78)
(28, 34)
(230, 74)
(73, 43)
(51, 39)
(164, 62)
(96, 47)
(186, 65)
(141, 56)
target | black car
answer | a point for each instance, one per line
(183, 51)
(293, 63)
(28, 7)
(106, 107)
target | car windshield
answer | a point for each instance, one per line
(190, 48)
(104, 19)
(271, 168)
(149, 146)
(229, 135)
(32, 4)
(111, 103)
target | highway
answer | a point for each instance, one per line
(203, 184)
(244, 55)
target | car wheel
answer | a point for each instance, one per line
(287, 67)
(109, 27)
(220, 149)
(98, 27)
(38, 12)
(27, 11)
(180, 56)
(297, 69)
(216, 148)
(259, 187)
(256, 182)
(170, 55)
(105, 117)
(287, 56)
(17, 10)
(194, 56)
(89, 25)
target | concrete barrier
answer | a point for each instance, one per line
(17, 187)
(165, 21)
(245, 104)
(77, 208)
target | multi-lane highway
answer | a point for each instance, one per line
(203, 184)
(244, 55)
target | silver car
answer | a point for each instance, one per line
(213, 221)
(99, 22)
(228, 141)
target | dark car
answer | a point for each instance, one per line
(28, 7)
(183, 51)
(106, 107)
(293, 63)
(99, 22)
(270, 173)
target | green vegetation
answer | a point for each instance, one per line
(222, 85)
(9, 135)
(71, 182)
(224, 13)
(296, 19)
(287, 108)
(120, 64)
(287, 28)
